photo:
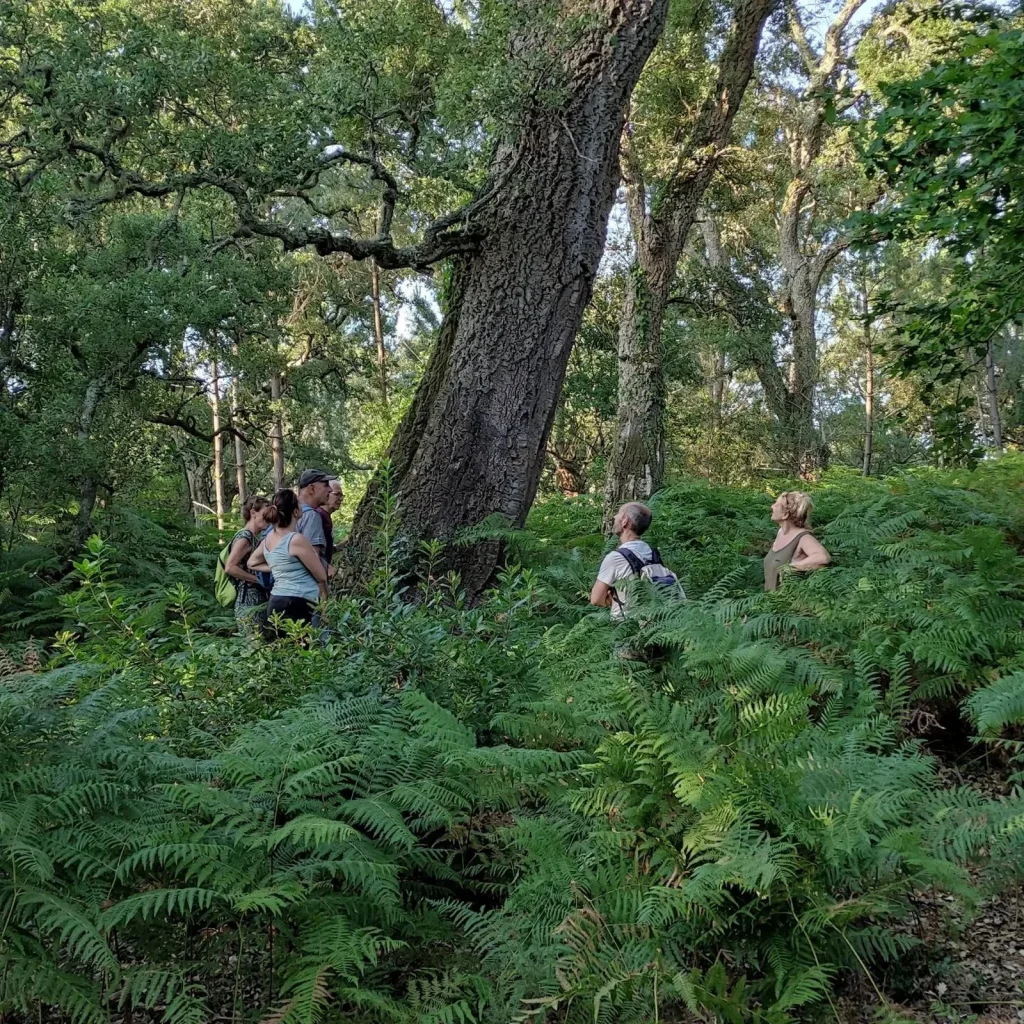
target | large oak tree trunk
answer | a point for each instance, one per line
(660, 227)
(472, 444)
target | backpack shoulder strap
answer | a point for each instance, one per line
(634, 563)
(655, 557)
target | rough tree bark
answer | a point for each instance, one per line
(378, 330)
(472, 443)
(660, 225)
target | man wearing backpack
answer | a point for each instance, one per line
(633, 558)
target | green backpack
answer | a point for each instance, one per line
(223, 584)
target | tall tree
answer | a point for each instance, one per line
(804, 183)
(805, 258)
(662, 206)
(474, 439)
(524, 249)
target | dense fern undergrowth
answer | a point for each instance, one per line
(454, 814)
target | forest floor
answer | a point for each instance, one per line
(969, 967)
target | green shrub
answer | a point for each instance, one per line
(485, 814)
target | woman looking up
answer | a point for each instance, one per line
(299, 575)
(794, 544)
(249, 595)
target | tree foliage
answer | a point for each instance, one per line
(949, 142)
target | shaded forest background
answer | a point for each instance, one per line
(822, 277)
(502, 266)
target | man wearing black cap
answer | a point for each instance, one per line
(314, 490)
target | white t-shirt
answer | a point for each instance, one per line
(615, 568)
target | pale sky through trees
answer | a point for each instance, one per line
(818, 16)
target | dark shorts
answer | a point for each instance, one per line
(298, 609)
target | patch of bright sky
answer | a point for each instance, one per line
(817, 16)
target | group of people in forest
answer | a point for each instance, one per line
(794, 545)
(280, 560)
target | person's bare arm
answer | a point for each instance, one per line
(810, 555)
(310, 558)
(601, 595)
(258, 559)
(233, 566)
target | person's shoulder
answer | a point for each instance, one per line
(611, 567)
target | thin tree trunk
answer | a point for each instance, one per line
(993, 398)
(89, 480)
(473, 442)
(869, 405)
(715, 255)
(717, 390)
(236, 418)
(378, 330)
(197, 479)
(218, 446)
(277, 430)
(637, 466)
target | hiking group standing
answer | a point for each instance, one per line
(794, 545)
(280, 561)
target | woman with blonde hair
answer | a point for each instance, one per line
(794, 544)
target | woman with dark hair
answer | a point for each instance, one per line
(300, 579)
(249, 595)
(794, 544)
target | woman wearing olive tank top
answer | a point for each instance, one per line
(794, 545)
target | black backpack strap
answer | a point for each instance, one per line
(634, 563)
(655, 557)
